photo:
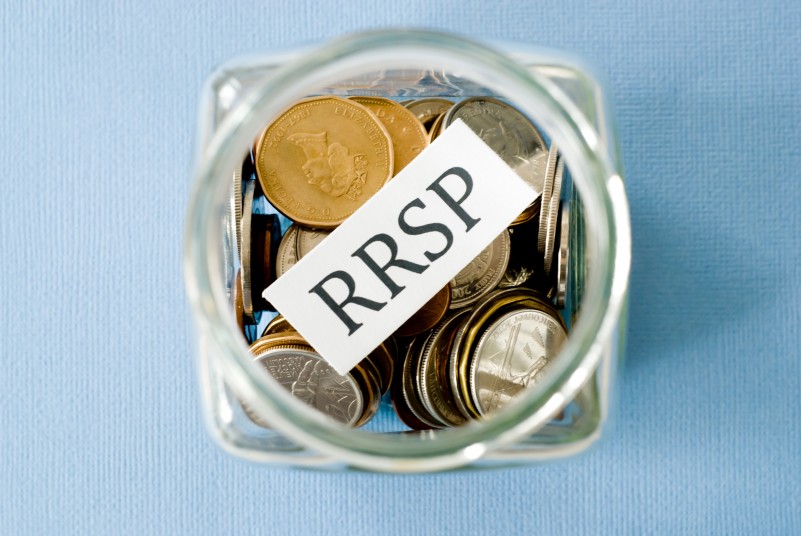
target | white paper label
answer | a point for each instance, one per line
(403, 245)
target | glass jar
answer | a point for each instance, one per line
(562, 414)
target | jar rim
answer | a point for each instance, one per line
(366, 52)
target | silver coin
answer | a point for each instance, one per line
(547, 193)
(247, 216)
(308, 239)
(236, 208)
(563, 259)
(427, 110)
(312, 381)
(512, 354)
(287, 251)
(482, 274)
(409, 385)
(553, 217)
(508, 132)
(435, 393)
(453, 367)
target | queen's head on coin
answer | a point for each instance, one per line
(330, 167)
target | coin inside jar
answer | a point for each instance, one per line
(563, 259)
(309, 378)
(428, 315)
(409, 387)
(264, 238)
(287, 251)
(432, 378)
(508, 132)
(409, 136)
(320, 160)
(428, 110)
(512, 354)
(482, 274)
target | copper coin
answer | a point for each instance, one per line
(429, 315)
(436, 128)
(367, 381)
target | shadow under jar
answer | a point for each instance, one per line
(566, 409)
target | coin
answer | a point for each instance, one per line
(453, 367)
(436, 128)
(322, 159)
(308, 239)
(278, 324)
(235, 208)
(482, 274)
(265, 235)
(383, 357)
(366, 377)
(563, 259)
(245, 248)
(512, 354)
(551, 222)
(547, 192)
(508, 132)
(402, 409)
(409, 136)
(311, 380)
(428, 315)
(481, 314)
(427, 110)
(432, 377)
(287, 251)
(523, 260)
(236, 300)
(408, 380)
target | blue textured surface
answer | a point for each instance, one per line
(98, 408)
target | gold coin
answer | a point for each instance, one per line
(427, 110)
(278, 324)
(436, 128)
(322, 159)
(236, 299)
(408, 134)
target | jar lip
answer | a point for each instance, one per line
(363, 52)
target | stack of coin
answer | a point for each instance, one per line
(476, 344)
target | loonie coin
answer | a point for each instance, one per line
(508, 132)
(427, 110)
(428, 315)
(287, 251)
(482, 274)
(236, 301)
(278, 324)
(307, 240)
(432, 378)
(408, 135)
(512, 354)
(322, 159)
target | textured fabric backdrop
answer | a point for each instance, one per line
(101, 432)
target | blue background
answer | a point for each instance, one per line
(100, 426)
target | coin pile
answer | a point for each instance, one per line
(475, 345)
